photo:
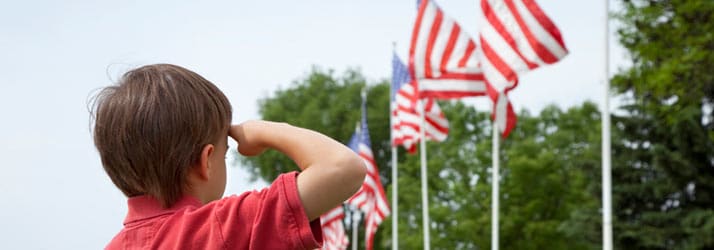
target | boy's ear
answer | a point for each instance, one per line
(204, 162)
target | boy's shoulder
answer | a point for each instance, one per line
(248, 220)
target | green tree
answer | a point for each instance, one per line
(546, 166)
(663, 166)
(327, 104)
(549, 162)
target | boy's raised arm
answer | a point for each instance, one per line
(331, 172)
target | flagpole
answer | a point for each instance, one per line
(606, 161)
(355, 222)
(356, 213)
(494, 187)
(395, 235)
(395, 180)
(424, 196)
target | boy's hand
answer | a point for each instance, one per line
(247, 134)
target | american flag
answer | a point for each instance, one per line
(517, 37)
(405, 114)
(444, 60)
(442, 57)
(333, 231)
(370, 199)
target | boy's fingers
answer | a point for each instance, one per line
(246, 146)
(236, 132)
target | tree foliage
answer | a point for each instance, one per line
(327, 104)
(542, 182)
(663, 165)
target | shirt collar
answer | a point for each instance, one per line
(144, 207)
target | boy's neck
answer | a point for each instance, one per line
(203, 197)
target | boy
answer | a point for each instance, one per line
(162, 134)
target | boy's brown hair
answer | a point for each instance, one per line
(151, 126)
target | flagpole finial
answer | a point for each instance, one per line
(364, 93)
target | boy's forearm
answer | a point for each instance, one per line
(303, 146)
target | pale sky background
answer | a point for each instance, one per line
(54, 54)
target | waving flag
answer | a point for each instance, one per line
(405, 114)
(370, 199)
(445, 63)
(517, 37)
(443, 57)
(333, 231)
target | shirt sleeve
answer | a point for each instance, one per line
(273, 218)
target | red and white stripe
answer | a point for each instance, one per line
(445, 63)
(370, 199)
(516, 38)
(406, 119)
(442, 57)
(333, 231)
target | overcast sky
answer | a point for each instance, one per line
(55, 54)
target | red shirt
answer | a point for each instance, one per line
(273, 218)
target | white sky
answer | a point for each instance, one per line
(54, 54)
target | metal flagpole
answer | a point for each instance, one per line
(424, 196)
(395, 235)
(395, 220)
(494, 187)
(356, 213)
(355, 222)
(606, 162)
